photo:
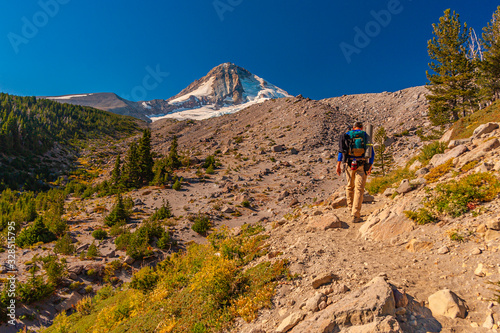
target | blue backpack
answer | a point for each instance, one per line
(357, 143)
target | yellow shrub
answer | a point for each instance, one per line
(84, 306)
(439, 171)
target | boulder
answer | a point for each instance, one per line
(361, 307)
(322, 280)
(490, 235)
(227, 209)
(477, 152)
(289, 322)
(368, 198)
(446, 136)
(447, 303)
(440, 159)
(418, 246)
(404, 187)
(325, 222)
(493, 224)
(484, 129)
(339, 202)
(283, 195)
(389, 191)
(129, 260)
(454, 143)
(313, 302)
(294, 151)
(76, 269)
(416, 165)
(422, 172)
(386, 324)
(418, 181)
(278, 148)
(69, 302)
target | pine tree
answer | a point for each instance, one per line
(131, 172)
(116, 174)
(119, 214)
(173, 161)
(490, 66)
(145, 157)
(453, 93)
(383, 156)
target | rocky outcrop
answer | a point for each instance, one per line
(365, 306)
(448, 304)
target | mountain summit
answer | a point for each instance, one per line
(227, 88)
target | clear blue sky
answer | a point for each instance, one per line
(105, 46)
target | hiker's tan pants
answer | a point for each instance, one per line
(355, 188)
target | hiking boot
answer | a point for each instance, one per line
(356, 219)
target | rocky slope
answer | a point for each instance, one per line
(280, 156)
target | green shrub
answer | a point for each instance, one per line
(209, 160)
(92, 251)
(164, 241)
(164, 212)
(210, 170)
(35, 233)
(104, 293)
(428, 151)
(34, 289)
(177, 185)
(119, 214)
(380, 184)
(64, 245)
(246, 204)
(456, 197)
(201, 224)
(145, 279)
(55, 269)
(99, 234)
(137, 244)
(422, 216)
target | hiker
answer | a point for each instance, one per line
(352, 154)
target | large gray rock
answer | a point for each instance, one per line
(484, 129)
(69, 302)
(386, 324)
(404, 187)
(416, 165)
(446, 136)
(289, 322)
(439, 159)
(493, 224)
(361, 307)
(454, 143)
(313, 302)
(447, 303)
(477, 152)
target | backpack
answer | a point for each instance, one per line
(357, 144)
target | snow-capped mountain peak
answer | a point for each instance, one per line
(227, 88)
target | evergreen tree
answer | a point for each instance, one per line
(173, 161)
(116, 174)
(131, 172)
(145, 157)
(119, 214)
(383, 155)
(453, 93)
(490, 66)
